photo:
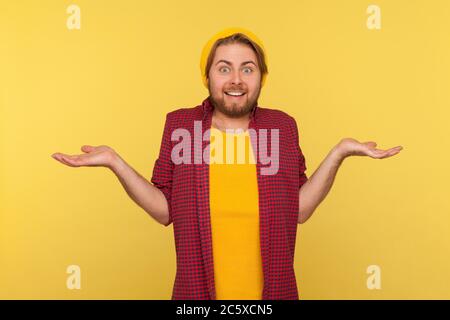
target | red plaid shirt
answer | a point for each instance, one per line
(186, 188)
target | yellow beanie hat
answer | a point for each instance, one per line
(222, 34)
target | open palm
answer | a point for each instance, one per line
(352, 147)
(92, 157)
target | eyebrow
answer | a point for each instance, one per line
(229, 63)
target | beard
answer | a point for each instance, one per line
(234, 109)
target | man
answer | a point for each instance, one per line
(234, 223)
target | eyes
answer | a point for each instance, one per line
(224, 69)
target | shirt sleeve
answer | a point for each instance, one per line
(302, 174)
(163, 169)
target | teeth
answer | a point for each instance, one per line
(235, 93)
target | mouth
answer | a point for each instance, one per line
(235, 94)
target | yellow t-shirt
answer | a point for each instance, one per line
(234, 210)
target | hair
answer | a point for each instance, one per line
(242, 39)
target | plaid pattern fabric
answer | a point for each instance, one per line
(186, 188)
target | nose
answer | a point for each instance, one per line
(236, 78)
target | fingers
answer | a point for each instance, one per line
(75, 160)
(377, 153)
(394, 151)
(57, 156)
(381, 154)
(68, 162)
(72, 161)
(87, 148)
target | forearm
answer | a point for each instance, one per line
(140, 190)
(319, 184)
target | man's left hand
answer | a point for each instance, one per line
(351, 147)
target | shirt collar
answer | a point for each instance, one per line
(208, 108)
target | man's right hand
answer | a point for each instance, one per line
(143, 192)
(101, 156)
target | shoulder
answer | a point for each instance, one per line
(184, 115)
(275, 117)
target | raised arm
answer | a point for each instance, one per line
(319, 184)
(140, 190)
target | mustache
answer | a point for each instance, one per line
(235, 89)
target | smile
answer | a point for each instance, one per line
(235, 94)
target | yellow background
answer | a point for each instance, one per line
(113, 81)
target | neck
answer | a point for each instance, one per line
(223, 122)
